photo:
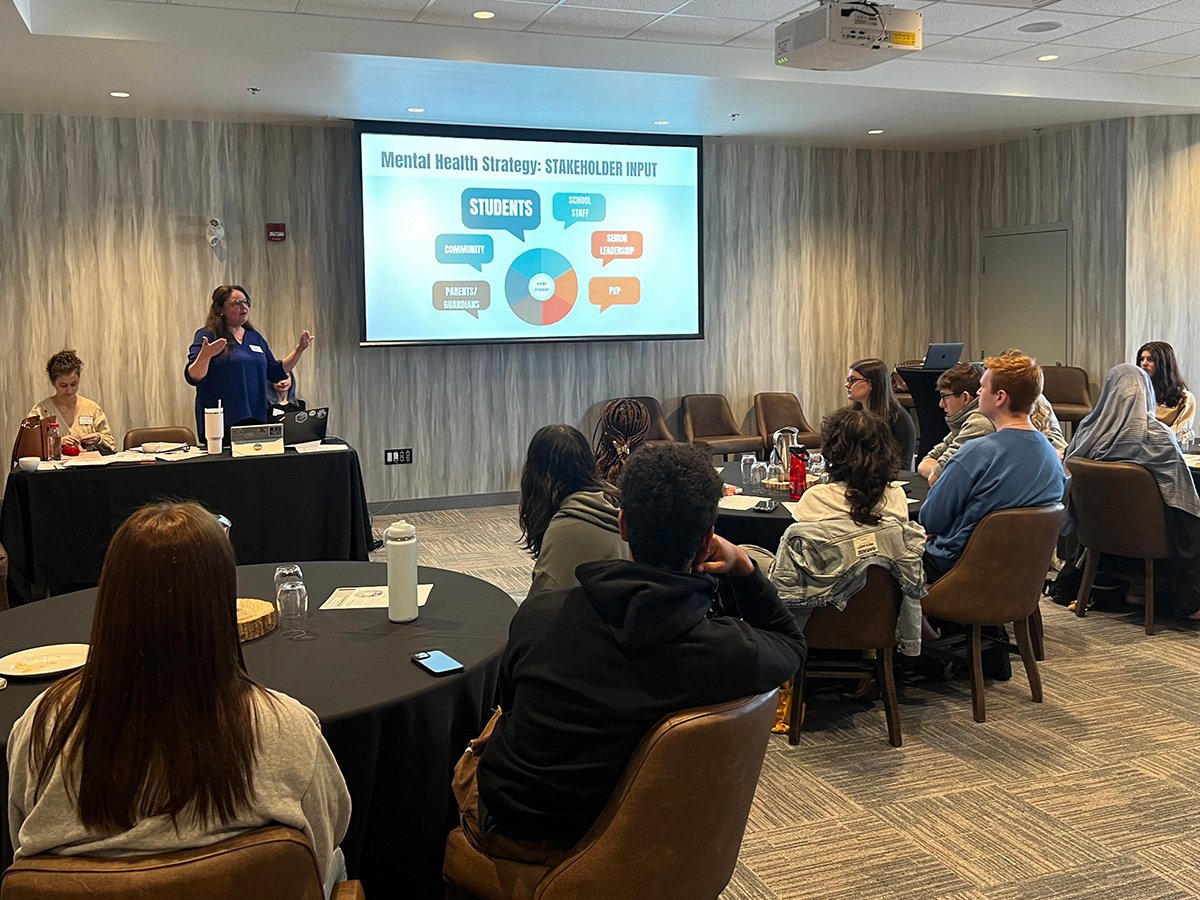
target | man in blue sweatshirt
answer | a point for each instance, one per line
(590, 669)
(1014, 467)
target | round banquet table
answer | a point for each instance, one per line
(396, 730)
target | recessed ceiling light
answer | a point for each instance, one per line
(120, 94)
(875, 131)
(661, 122)
(1049, 57)
(416, 109)
(483, 14)
(1039, 27)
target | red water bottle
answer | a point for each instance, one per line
(798, 471)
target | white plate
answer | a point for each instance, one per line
(37, 662)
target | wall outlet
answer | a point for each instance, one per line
(400, 457)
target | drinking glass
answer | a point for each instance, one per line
(291, 600)
(289, 572)
(1187, 441)
(748, 460)
(778, 477)
(758, 472)
(816, 467)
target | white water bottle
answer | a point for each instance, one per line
(401, 541)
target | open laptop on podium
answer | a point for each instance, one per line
(940, 357)
(305, 426)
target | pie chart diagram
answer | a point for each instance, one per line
(541, 286)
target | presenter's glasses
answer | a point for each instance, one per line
(240, 301)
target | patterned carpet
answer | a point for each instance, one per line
(1091, 794)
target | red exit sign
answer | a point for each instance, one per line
(276, 231)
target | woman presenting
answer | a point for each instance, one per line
(230, 362)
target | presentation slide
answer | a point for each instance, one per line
(480, 239)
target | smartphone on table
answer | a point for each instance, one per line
(435, 662)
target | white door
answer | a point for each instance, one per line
(1024, 296)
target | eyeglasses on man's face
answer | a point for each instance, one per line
(945, 395)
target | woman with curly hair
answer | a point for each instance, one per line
(859, 519)
(568, 515)
(1174, 404)
(622, 428)
(869, 387)
(81, 421)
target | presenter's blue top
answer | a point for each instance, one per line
(238, 379)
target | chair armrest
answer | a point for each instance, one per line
(348, 890)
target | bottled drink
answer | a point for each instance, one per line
(54, 444)
(798, 471)
(400, 538)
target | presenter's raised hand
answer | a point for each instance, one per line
(305, 341)
(208, 351)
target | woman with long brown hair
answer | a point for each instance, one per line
(568, 514)
(869, 387)
(1174, 404)
(162, 741)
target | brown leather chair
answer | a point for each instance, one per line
(867, 623)
(999, 579)
(3, 577)
(167, 434)
(659, 432)
(671, 830)
(1105, 498)
(707, 419)
(775, 410)
(273, 863)
(1066, 387)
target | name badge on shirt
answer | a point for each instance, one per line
(256, 348)
(865, 545)
(87, 420)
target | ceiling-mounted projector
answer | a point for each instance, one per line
(844, 35)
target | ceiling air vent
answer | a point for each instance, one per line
(1015, 4)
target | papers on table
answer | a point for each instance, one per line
(738, 501)
(174, 455)
(318, 447)
(1192, 459)
(368, 597)
(912, 500)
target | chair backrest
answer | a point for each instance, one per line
(705, 415)
(867, 623)
(1066, 384)
(1118, 509)
(778, 409)
(273, 863)
(172, 434)
(658, 422)
(1002, 570)
(673, 826)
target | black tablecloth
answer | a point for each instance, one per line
(765, 529)
(56, 525)
(396, 731)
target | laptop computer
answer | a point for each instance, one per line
(940, 357)
(305, 426)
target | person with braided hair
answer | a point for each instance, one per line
(622, 428)
(568, 514)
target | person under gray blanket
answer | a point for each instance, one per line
(589, 670)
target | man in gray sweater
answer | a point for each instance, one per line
(958, 390)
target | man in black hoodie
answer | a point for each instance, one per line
(589, 670)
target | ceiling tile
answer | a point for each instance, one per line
(1183, 11)
(261, 5)
(510, 16)
(1184, 39)
(1186, 67)
(1108, 7)
(1124, 34)
(966, 49)
(762, 10)
(1066, 55)
(1127, 61)
(1070, 22)
(762, 38)
(955, 18)
(393, 10)
(574, 20)
(694, 30)
(644, 6)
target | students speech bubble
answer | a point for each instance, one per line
(572, 208)
(472, 249)
(502, 209)
(610, 245)
(606, 292)
(468, 296)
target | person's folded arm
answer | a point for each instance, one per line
(946, 498)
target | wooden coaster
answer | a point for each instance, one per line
(255, 618)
